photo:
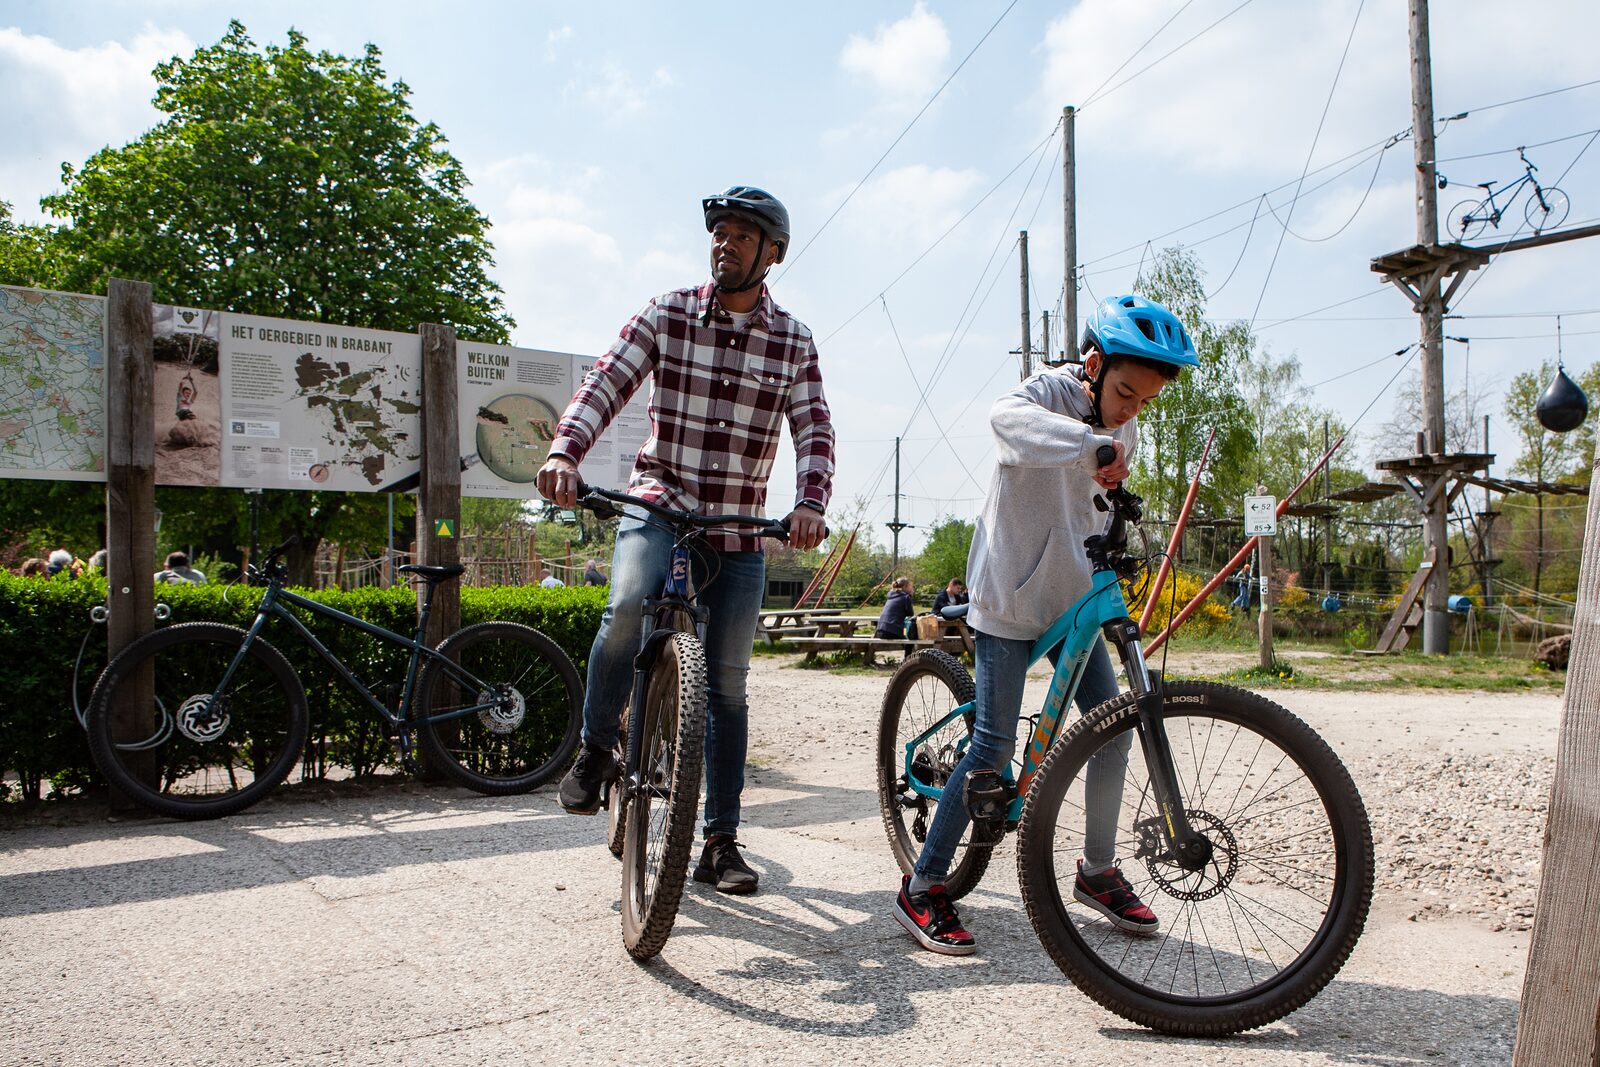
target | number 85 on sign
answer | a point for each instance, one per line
(1260, 516)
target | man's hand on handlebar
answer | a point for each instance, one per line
(558, 481)
(1112, 471)
(806, 528)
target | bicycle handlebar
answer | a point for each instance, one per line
(600, 502)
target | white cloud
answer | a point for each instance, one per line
(554, 40)
(915, 202)
(1247, 94)
(903, 58)
(619, 95)
(64, 104)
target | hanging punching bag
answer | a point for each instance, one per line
(1562, 406)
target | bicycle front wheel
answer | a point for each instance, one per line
(1547, 209)
(664, 794)
(1251, 936)
(918, 712)
(507, 720)
(168, 738)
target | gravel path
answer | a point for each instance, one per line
(432, 925)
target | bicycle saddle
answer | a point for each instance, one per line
(431, 574)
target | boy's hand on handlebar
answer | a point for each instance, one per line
(1112, 474)
(558, 481)
(807, 528)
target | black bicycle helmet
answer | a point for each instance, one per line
(764, 209)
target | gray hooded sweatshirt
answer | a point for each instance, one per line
(1027, 564)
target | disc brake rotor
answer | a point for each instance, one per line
(1173, 879)
(202, 720)
(503, 711)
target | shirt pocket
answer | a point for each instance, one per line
(769, 374)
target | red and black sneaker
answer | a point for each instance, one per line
(1110, 894)
(931, 918)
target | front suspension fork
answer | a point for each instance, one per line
(1190, 849)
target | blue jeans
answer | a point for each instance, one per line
(1002, 666)
(731, 586)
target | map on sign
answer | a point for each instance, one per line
(514, 434)
(52, 385)
(312, 406)
(367, 417)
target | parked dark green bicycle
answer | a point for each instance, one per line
(202, 719)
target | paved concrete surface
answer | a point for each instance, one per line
(432, 926)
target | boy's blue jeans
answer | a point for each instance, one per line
(1002, 668)
(731, 586)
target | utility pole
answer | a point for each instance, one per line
(1047, 354)
(1327, 519)
(896, 526)
(1436, 530)
(1027, 316)
(1069, 232)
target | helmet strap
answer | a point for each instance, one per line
(1094, 391)
(751, 280)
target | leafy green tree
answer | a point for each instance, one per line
(1546, 456)
(943, 556)
(1173, 430)
(282, 182)
(29, 255)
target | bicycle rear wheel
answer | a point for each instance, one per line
(1257, 932)
(529, 729)
(665, 795)
(926, 689)
(1467, 219)
(164, 736)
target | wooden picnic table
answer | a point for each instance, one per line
(869, 647)
(810, 622)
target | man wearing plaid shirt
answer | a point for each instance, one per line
(727, 366)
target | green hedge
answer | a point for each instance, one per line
(43, 622)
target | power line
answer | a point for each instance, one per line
(1168, 54)
(896, 141)
(1315, 137)
(1135, 54)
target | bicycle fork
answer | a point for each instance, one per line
(1189, 849)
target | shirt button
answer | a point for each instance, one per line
(720, 423)
(771, 381)
(715, 467)
(725, 381)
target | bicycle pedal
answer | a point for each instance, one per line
(989, 800)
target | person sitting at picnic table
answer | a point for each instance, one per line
(952, 595)
(896, 610)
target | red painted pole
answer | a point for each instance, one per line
(1177, 532)
(1233, 564)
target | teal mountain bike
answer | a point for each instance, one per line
(1237, 824)
(200, 719)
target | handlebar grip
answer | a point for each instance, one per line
(1105, 455)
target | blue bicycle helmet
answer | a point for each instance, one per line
(1134, 326)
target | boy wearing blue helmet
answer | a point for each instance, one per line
(1026, 566)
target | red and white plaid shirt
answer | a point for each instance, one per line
(716, 404)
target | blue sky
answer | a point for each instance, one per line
(590, 131)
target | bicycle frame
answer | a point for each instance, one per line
(1103, 609)
(272, 607)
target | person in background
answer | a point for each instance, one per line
(178, 571)
(953, 594)
(97, 562)
(550, 581)
(592, 574)
(896, 610)
(62, 564)
(34, 567)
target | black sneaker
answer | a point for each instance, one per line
(580, 789)
(721, 863)
(1110, 894)
(931, 918)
